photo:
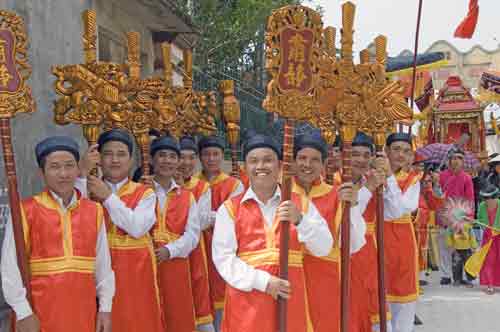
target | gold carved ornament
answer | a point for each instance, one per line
(293, 43)
(89, 92)
(231, 115)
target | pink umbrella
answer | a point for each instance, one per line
(438, 153)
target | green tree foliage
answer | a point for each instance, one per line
(232, 33)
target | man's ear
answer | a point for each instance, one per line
(40, 172)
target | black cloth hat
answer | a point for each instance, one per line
(261, 141)
(188, 143)
(116, 135)
(314, 141)
(362, 139)
(398, 137)
(210, 141)
(165, 143)
(56, 143)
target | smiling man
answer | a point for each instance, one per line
(364, 273)
(323, 273)
(222, 187)
(175, 235)
(401, 196)
(69, 268)
(198, 257)
(246, 246)
(130, 215)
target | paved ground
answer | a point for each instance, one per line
(457, 309)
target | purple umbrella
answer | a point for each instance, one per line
(438, 153)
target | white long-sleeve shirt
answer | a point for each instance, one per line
(12, 285)
(183, 246)
(396, 203)
(136, 222)
(205, 204)
(312, 231)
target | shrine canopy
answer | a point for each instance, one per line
(455, 113)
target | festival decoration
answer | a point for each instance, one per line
(15, 98)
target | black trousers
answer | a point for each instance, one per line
(459, 257)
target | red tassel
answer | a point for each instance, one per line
(468, 25)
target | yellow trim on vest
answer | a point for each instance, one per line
(333, 256)
(165, 236)
(26, 229)
(215, 180)
(375, 319)
(117, 241)
(40, 267)
(204, 320)
(230, 209)
(402, 299)
(100, 217)
(271, 257)
(370, 228)
(219, 305)
(406, 219)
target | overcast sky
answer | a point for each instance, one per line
(397, 20)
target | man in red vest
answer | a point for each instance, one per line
(222, 187)
(246, 246)
(364, 274)
(67, 250)
(198, 257)
(401, 196)
(130, 215)
(323, 273)
(175, 235)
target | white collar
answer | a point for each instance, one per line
(59, 200)
(173, 186)
(250, 194)
(116, 186)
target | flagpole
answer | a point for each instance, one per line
(413, 80)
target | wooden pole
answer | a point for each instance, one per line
(286, 195)
(15, 203)
(414, 76)
(347, 134)
(379, 145)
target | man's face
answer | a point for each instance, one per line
(116, 161)
(457, 162)
(399, 154)
(187, 163)
(262, 166)
(497, 168)
(165, 163)
(60, 172)
(361, 156)
(211, 159)
(308, 165)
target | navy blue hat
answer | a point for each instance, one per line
(56, 143)
(248, 133)
(188, 143)
(261, 141)
(165, 143)
(209, 142)
(116, 135)
(314, 141)
(398, 137)
(362, 139)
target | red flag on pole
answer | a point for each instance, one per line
(468, 25)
